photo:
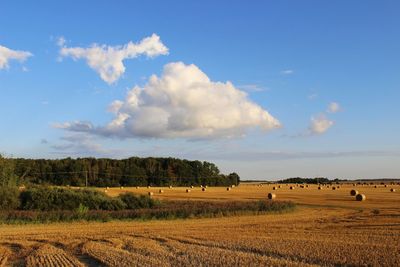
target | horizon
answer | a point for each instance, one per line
(267, 89)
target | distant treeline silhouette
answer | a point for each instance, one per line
(133, 171)
(300, 180)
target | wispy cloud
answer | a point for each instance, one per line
(312, 96)
(7, 54)
(44, 141)
(333, 107)
(252, 88)
(81, 144)
(243, 155)
(108, 60)
(287, 72)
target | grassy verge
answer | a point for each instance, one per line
(166, 210)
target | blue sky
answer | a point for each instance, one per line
(328, 72)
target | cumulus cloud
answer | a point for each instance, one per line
(7, 54)
(333, 107)
(320, 124)
(108, 60)
(182, 103)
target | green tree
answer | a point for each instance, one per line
(7, 175)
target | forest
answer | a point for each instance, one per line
(132, 171)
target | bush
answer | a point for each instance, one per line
(169, 210)
(133, 201)
(9, 198)
(48, 198)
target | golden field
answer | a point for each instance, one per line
(329, 228)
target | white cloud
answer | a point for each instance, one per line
(334, 107)
(7, 54)
(61, 41)
(252, 88)
(108, 60)
(312, 96)
(287, 72)
(182, 103)
(320, 124)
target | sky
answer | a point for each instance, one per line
(268, 89)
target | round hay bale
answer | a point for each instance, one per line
(274, 188)
(319, 188)
(353, 192)
(333, 188)
(279, 186)
(107, 188)
(148, 186)
(151, 193)
(233, 186)
(137, 187)
(360, 197)
(385, 185)
(203, 189)
(271, 196)
(187, 190)
(392, 190)
(161, 191)
(291, 188)
(354, 184)
(192, 186)
(170, 186)
(228, 189)
(376, 186)
(301, 186)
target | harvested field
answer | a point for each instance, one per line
(48, 255)
(4, 254)
(329, 228)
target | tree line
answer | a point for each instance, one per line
(300, 180)
(102, 172)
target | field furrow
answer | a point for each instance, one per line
(48, 255)
(112, 256)
(187, 254)
(4, 254)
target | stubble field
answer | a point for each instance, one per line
(329, 228)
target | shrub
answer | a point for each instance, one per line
(133, 201)
(9, 198)
(169, 210)
(48, 198)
